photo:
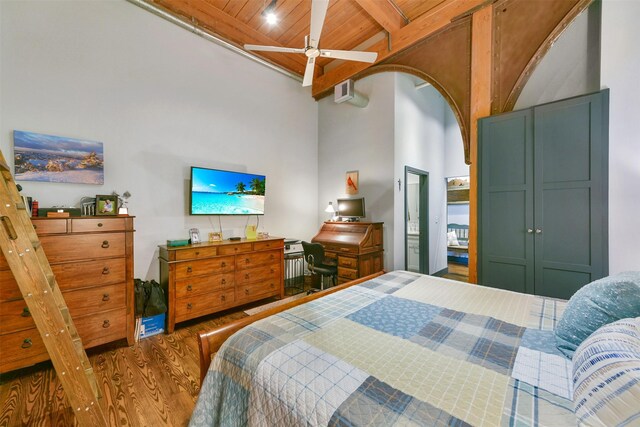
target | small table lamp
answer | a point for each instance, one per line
(330, 209)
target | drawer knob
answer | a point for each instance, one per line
(106, 324)
(223, 281)
(272, 270)
(26, 343)
(189, 306)
(273, 286)
(189, 269)
(224, 264)
(105, 270)
(197, 253)
(246, 260)
(189, 288)
(272, 257)
(246, 291)
(26, 312)
(105, 244)
(35, 226)
(246, 276)
(105, 297)
(99, 224)
(223, 298)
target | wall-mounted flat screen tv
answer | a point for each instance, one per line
(219, 192)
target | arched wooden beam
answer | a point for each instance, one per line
(426, 77)
(523, 32)
(444, 58)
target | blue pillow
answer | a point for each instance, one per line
(596, 304)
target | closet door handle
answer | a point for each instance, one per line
(530, 230)
(538, 231)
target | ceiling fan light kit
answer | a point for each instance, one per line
(311, 49)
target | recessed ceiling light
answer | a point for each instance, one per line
(269, 13)
(271, 18)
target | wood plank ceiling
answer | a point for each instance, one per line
(349, 25)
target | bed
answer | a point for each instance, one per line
(397, 349)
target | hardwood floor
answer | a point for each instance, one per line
(153, 383)
(459, 272)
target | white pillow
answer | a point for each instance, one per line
(452, 239)
(606, 376)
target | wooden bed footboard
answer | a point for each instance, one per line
(209, 342)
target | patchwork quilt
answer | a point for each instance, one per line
(400, 349)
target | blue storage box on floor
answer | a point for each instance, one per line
(153, 325)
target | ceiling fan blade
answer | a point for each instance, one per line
(349, 55)
(318, 12)
(308, 72)
(273, 48)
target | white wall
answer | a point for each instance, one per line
(454, 164)
(352, 138)
(568, 67)
(620, 68)
(420, 143)
(160, 99)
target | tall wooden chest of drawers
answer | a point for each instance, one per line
(92, 260)
(205, 278)
(357, 248)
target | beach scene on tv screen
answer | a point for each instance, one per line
(215, 192)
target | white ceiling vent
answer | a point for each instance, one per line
(345, 91)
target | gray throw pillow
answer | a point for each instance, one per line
(599, 303)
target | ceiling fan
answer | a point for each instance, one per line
(311, 49)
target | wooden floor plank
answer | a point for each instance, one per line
(152, 383)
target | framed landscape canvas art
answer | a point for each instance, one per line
(49, 158)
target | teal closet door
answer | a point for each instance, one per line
(570, 195)
(505, 216)
(542, 199)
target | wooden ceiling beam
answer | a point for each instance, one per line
(384, 13)
(426, 25)
(218, 22)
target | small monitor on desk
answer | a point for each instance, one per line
(351, 209)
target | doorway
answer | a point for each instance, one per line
(416, 213)
(458, 228)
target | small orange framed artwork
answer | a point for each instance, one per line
(352, 182)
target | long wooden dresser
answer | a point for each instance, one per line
(356, 248)
(92, 260)
(205, 278)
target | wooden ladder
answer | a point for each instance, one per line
(30, 267)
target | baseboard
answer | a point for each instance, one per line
(441, 273)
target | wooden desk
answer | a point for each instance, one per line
(355, 247)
